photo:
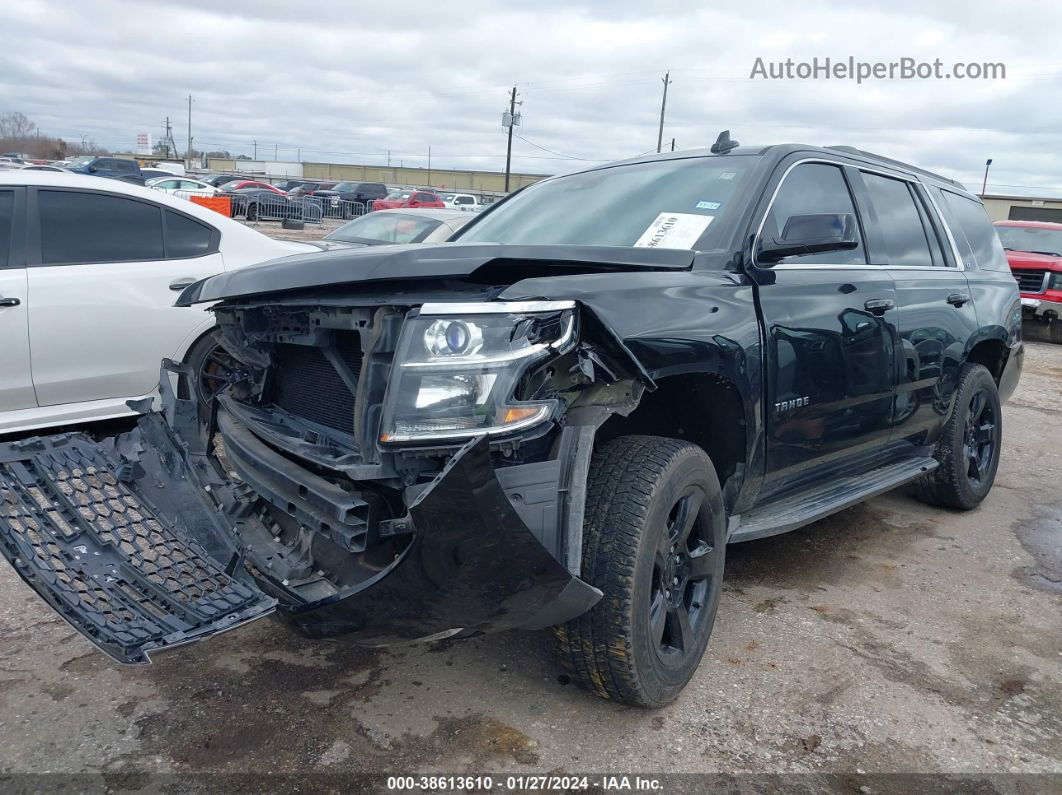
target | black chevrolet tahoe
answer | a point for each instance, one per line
(559, 419)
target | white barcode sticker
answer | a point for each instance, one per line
(674, 230)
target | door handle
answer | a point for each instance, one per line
(879, 306)
(958, 299)
(180, 284)
(9, 302)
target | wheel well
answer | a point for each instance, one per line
(992, 354)
(704, 409)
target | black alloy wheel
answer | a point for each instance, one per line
(682, 575)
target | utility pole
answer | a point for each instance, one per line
(255, 156)
(663, 104)
(429, 166)
(276, 150)
(189, 128)
(984, 185)
(672, 144)
(509, 147)
(388, 158)
(168, 142)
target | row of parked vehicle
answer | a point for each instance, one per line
(256, 199)
(87, 347)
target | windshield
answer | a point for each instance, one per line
(80, 161)
(659, 204)
(1031, 239)
(399, 195)
(346, 187)
(377, 228)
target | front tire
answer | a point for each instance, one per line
(968, 449)
(654, 542)
(212, 368)
(1054, 331)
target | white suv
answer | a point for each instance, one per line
(89, 271)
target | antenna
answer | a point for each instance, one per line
(723, 144)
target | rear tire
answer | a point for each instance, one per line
(654, 542)
(252, 212)
(968, 449)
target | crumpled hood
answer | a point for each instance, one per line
(428, 261)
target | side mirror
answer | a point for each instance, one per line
(92, 169)
(811, 234)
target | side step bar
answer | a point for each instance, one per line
(810, 506)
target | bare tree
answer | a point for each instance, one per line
(16, 125)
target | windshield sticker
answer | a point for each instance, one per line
(727, 175)
(674, 230)
(708, 205)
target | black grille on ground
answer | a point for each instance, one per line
(306, 384)
(1030, 281)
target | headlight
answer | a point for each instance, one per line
(1056, 281)
(457, 367)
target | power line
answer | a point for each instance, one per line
(559, 155)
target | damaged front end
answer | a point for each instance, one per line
(368, 471)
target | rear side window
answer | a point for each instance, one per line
(981, 236)
(423, 197)
(7, 217)
(904, 238)
(127, 166)
(186, 237)
(811, 189)
(94, 227)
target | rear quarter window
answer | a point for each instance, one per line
(982, 242)
(186, 237)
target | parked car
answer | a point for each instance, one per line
(176, 169)
(113, 167)
(348, 199)
(86, 306)
(559, 418)
(183, 186)
(400, 226)
(305, 187)
(218, 180)
(1034, 251)
(155, 173)
(243, 184)
(408, 198)
(463, 201)
(258, 203)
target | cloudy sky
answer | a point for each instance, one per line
(348, 81)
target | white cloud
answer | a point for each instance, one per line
(348, 82)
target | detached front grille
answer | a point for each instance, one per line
(306, 384)
(1030, 281)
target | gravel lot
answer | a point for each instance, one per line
(891, 637)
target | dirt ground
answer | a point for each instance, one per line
(891, 637)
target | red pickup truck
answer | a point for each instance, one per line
(1034, 251)
(408, 198)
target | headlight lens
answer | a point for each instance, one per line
(1056, 281)
(455, 374)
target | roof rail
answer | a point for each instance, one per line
(862, 153)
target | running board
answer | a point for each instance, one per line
(810, 506)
